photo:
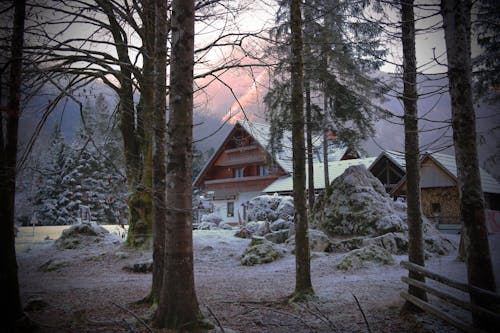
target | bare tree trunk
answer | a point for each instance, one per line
(10, 299)
(457, 21)
(303, 285)
(326, 171)
(159, 162)
(135, 151)
(415, 234)
(309, 124)
(178, 306)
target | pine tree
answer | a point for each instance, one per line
(96, 179)
(85, 173)
(50, 199)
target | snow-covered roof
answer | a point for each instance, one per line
(284, 158)
(262, 134)
(396, 157)
(335, 169)
(488, 183)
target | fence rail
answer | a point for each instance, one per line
(491, 297)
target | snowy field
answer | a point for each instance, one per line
(87, 290)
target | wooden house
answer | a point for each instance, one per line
(243, 166)
(440, 192)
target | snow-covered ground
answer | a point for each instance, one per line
(87, 288)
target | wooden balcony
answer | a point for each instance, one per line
(241, 156)
(239, 180)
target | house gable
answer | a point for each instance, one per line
(388, 170)
(240, 164)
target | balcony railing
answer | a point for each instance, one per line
(238, 159)
(238, 180)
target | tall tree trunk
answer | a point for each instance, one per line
(303, 285)
(178, 306)
(159, 162)
(415, 234)
(10, 299)
(457, 21)
(326, 167)
(307, 88)
(142, 200)
(135, 151)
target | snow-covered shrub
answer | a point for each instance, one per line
(211, 218)
(270, 208)
(207, 226)
(80, 235)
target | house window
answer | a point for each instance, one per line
(230, 209)
(263, 170)
(237, 172)
(436, 208)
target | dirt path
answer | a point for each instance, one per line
(88, 291)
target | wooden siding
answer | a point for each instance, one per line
(449, 203)
(431, 176)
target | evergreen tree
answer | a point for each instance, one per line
(51, 199)
(343, 51)
(87, 173)
(96, 179)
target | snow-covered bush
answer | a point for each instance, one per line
(211, 218)
(270, 208)
(80, 235)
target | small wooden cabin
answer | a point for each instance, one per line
(439, 189)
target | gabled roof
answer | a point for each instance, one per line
(262, 134)
(335, 169)
(396, 157)
(448, 162)
(448, 165)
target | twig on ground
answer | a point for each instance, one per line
(285, 314)
(361, 310)
(216, 319)
(134, 315)
(320, 315)
(128, 325)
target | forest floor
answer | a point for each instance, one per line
(87, 290)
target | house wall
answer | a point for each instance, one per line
(449, 204)
(431, 176)
(220, 207)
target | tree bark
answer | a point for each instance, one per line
(303, 285)
(415, 234)
(457, 22)
(10, 299)
(178, 306)
(159, 131)
(135, 150)
(307, 89)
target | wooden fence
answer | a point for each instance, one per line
(492, 298)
